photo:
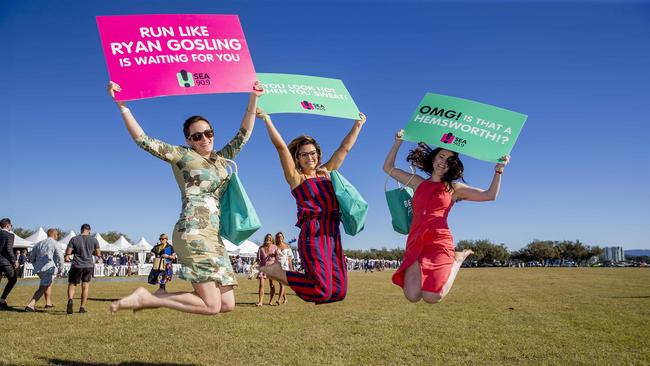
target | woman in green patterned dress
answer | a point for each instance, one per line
(202, 178)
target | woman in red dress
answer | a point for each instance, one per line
(430, 263)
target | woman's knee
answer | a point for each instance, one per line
(212, 309)
(227, 306)
(431, 297)
(413, 295)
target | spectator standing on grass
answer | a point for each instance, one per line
(46, 259)
(285, 257)
(83, 247)
(267, 254)
(8, 260)
(162, 270)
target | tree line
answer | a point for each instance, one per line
(486, 251)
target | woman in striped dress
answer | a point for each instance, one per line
(319, 244)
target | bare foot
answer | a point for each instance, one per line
(133, 301)
(276, 272)
(259, 304)
(461, 256)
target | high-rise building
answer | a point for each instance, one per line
(614, 254)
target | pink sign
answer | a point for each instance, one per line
(176, 54)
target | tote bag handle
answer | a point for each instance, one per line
(399, 185)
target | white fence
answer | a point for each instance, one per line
(102, 270)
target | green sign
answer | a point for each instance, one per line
(479, 130)
(285, 93)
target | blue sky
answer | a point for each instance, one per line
(579, 70)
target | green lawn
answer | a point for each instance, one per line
(491, 316)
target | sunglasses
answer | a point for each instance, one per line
(163, 239)
(198, 136)
(312, 154)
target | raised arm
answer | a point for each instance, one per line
(468, 193)
(248, 121)
(291, 175)
(339, 155)
(411, 179)
(129, 121)
(157, 148)
(234, 146)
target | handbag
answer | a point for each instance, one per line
(400, 202)
(159, 263)
(238, 217)
(353, 207)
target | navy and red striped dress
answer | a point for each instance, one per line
(319, 244)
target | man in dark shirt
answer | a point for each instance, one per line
(8, 262)
(83, 247)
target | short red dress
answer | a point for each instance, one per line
(429, 242)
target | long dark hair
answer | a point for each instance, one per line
(422, 157)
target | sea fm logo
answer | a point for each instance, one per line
(448, 138)
(307, 105)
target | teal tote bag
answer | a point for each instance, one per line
(353, 207)
(400, 202)
(238, 216)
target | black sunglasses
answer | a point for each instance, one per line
(198, 136)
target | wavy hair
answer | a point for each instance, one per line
(422, 158)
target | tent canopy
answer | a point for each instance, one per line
(140, 247)
(20, 243)
(105, 246)
(122, 243)
(248, 249)
(230, 247)
(66, 239)
(37, 236)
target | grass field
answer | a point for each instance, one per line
(491, 316)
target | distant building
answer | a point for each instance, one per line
(614, 254)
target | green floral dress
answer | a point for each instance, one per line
(202, 182)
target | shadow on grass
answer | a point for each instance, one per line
(59, 362)
(100, 299)
(13, 309)
(631, 297)
(245, 303)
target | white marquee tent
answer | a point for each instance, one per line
(248, 249)
(66, 239)
(20, 243)
(122, 243)
(230, 247)
(105, 246)
(37, 236)
(142, 248)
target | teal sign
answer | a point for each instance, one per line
(285, 93)
(471, 128)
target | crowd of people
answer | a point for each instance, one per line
(371, 265)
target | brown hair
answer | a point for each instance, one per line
(52, 231)
(192, 120)
(294, 148)
(268, 238)
(422, 158)
(277, 240)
